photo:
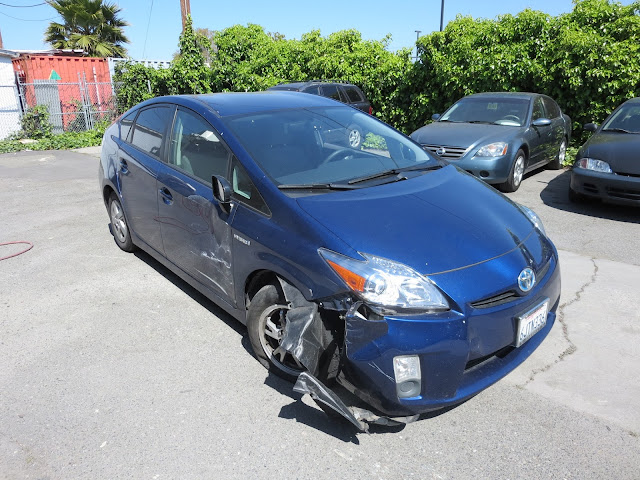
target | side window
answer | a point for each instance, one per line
(150, 128)
(244, 189)
(331, 91)
(315, 90)
(353, 94)
(551, 107)
(538, 109)
(196, 147)
(125, 125)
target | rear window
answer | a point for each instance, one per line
(353, 94)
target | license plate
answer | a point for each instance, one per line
(531, 322)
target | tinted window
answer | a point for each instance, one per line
(551, 107)
(538, 109)
(331, 91)
(353, 94)
(315, 90)
(150, 128)
(244, 189)
(125, 125)
(196, 147)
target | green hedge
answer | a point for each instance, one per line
(588, 60)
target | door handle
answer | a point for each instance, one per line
(124, 168)
(166, 195)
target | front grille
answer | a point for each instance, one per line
(625, 193)
(450, 153)
(508, 296)
(496, 300)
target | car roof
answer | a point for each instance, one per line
(524, 95)
(226, 104)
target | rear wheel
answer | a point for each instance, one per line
(119, 225)
(557, 162)
(266, 321)
(515, 175)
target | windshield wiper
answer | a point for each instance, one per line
(316, 186)
(619, 130)
(394, 171)
(480, 121)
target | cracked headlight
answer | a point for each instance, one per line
(593, 164)
(493, 150)
(535, 219)
(387, 284)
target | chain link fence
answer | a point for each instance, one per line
(72, 106)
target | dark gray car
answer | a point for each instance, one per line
(608, 164)
(499, 137)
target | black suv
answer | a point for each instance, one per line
(341, 91)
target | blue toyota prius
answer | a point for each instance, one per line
(378, 276)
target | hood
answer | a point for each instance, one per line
(439, 221)
(463, 135)
(619, 150)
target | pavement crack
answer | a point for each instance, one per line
(571, 349)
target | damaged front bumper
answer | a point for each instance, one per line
(460, 353)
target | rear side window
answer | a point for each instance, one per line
(353, 94)
(551, 107)
(125, 125)
(315, 90)
(331, 91)
(150, 128)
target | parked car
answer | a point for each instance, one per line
(341, 91)
(607, 166)
(499, 137)
(374, 268)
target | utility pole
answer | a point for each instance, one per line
(185, 9)
(441, 14)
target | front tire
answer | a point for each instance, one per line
(119, 225)
(266, 320)
(515, 175)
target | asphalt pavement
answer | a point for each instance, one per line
(112, 367)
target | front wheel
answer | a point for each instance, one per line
(266, 321)
(515, 174)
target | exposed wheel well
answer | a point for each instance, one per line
(106, 193)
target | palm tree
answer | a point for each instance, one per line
(91, 25)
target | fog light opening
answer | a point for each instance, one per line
(408, 377)
(484, 174)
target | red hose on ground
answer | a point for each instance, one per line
(19, 253)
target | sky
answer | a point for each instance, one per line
(154, 25)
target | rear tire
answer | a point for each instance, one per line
(119, 225)
(515, 174)
(265, 325)
(556, 163)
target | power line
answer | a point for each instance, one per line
(28, 19)
(22, 6)
(144, 50)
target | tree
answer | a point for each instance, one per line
(91, 25)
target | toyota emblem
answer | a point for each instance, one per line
(526, 279)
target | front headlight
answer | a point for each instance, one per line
(493, 150)
(593, 164)
(385, 283)
(535, 219)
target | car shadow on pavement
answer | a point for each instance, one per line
(556, 195)
(191, 292)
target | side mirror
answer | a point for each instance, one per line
(541, 122)
(435, 117)
(221, 189)
(590, 127)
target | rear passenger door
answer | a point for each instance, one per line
(556, 134)
(195, 228)
(140, 159)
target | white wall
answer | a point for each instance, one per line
(9, 104)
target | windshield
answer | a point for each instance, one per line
(626, 118)
(325, 145)
(491, 110)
